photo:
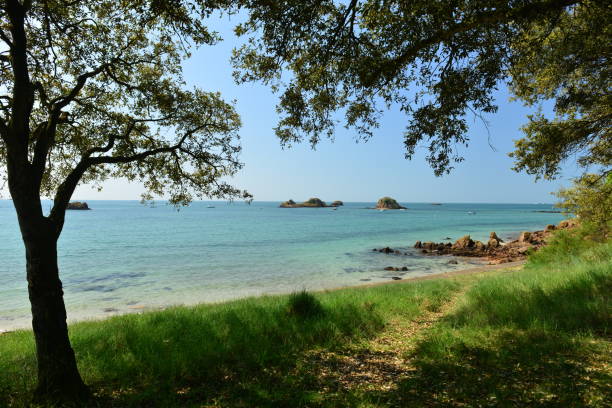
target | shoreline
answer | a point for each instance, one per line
(441, 275)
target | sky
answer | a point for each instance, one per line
(346, 170)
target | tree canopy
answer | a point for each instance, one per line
(440, 61)
(94, 89)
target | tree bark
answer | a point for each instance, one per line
(59, 380)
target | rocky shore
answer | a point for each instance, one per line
(495, 250)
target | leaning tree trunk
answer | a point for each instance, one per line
(58, 377)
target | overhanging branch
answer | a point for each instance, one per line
(528, 12)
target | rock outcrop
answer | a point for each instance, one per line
(388, 203)
(311, 203)
(495, 249)
(78, 205)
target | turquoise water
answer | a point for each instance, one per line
(125, 257)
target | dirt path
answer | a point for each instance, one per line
(381, 362)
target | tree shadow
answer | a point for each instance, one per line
(238, 353)
(514, 368)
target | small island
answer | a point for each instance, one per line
(310, 203)
(388, 203)
(77, 205)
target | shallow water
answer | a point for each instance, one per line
(124, 257)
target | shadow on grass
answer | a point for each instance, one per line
(204, 355)
(509, 368)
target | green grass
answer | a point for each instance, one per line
(539, 337)
(534, 337)
(234, 351)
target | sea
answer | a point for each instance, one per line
(126, 257)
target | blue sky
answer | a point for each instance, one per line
(349, 171)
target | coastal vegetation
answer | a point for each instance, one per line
(536, 336)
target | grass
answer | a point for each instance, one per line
(535, 337)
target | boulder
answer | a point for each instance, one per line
(418, 244)
(386, 250)
(389, 268)
(493, 243)
(571, 223)
(77, 205)
(479, 246)
(337, 203)
(429, 245)
(388, 203)
(396, 278)
(550, 227)
(464, 243)
(494, 236)
(525, 237)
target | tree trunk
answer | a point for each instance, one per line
(58, 376)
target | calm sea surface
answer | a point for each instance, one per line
(124, 257)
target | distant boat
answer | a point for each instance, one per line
(471, 212)
(210, 206)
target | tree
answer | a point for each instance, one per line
(440, 61)
(590, 199)
(92, 90)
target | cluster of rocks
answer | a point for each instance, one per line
(312, 203)
(77, 205)
(496, 250)
(464, 246)
(396, 269)
(387, 250)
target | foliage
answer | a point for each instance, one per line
(590, 199)
(94, 89)
(439, 61)
(570, 65)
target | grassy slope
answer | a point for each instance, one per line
(539, 336)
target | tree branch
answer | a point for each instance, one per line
(530, 11)
(66, 189)
(23, 92)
